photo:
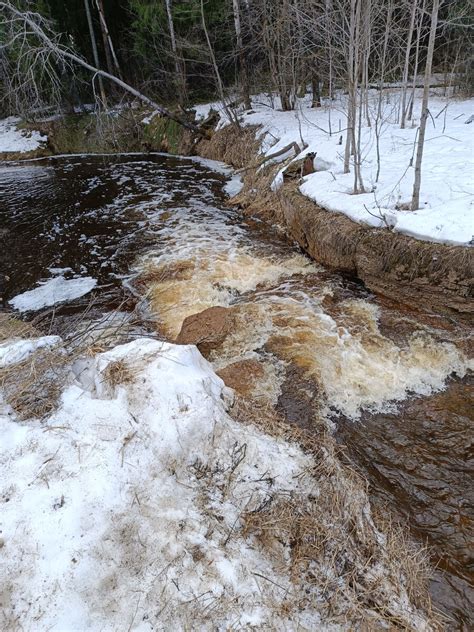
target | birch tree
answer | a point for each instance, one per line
(415, 202)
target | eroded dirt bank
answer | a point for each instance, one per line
(423, 275)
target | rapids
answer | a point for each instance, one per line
(391, 384)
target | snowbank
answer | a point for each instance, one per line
(48, 293)
(17, 140)
(122, 510)
(106, 513)
(446, 213)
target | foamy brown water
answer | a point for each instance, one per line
(354, 365)
(327, 350)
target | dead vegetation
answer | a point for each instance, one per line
(11, 327)
(234, 146)
(357, 560)
(33, 386)
(118, 372)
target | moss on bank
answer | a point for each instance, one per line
(123, 131)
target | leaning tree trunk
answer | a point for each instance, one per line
(108, 45)
(415, 202)
(62, 53)
(220, 86)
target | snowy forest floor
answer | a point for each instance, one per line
(446, 213)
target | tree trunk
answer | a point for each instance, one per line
(108, 46)
(407, 64)
(243, 74)
(220, 86)
(417, 56)
(415, 203)
(316, 100)
(180, 74)
(95, 52)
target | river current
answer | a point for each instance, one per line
(393, 385)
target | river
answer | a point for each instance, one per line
(393, 385)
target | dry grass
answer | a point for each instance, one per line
(33, 386)
(118, 372)
(11, 327)
(356, 560)
(233, 146)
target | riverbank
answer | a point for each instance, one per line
(155, 495)
(426, 276)
(327, 332)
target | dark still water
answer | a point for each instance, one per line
(395, 385)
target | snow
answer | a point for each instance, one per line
(12, 352)
(17, 140)
(110, 501)
(122, 509)
(446, 213)
(51, 292)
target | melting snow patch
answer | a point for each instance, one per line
(447, 195)
(12, 352)
(57, 290)
(124, 509)
(15, 140)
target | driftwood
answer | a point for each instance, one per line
(280, 152)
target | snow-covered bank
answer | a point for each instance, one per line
(14, 140)
(447, 211)
(126, 508)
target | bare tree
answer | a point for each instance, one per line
(178, 61)
(243, 72)
(95, 52)
(406, 67)
(219, 83)
(415, 202)
(48, 48)
(113, 65)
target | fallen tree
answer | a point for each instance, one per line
(49, 53)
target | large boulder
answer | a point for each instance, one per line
(207, 329)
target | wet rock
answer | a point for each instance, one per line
(299, 399)
(207, 329)
(242, 375)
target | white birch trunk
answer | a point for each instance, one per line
(415, 203)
